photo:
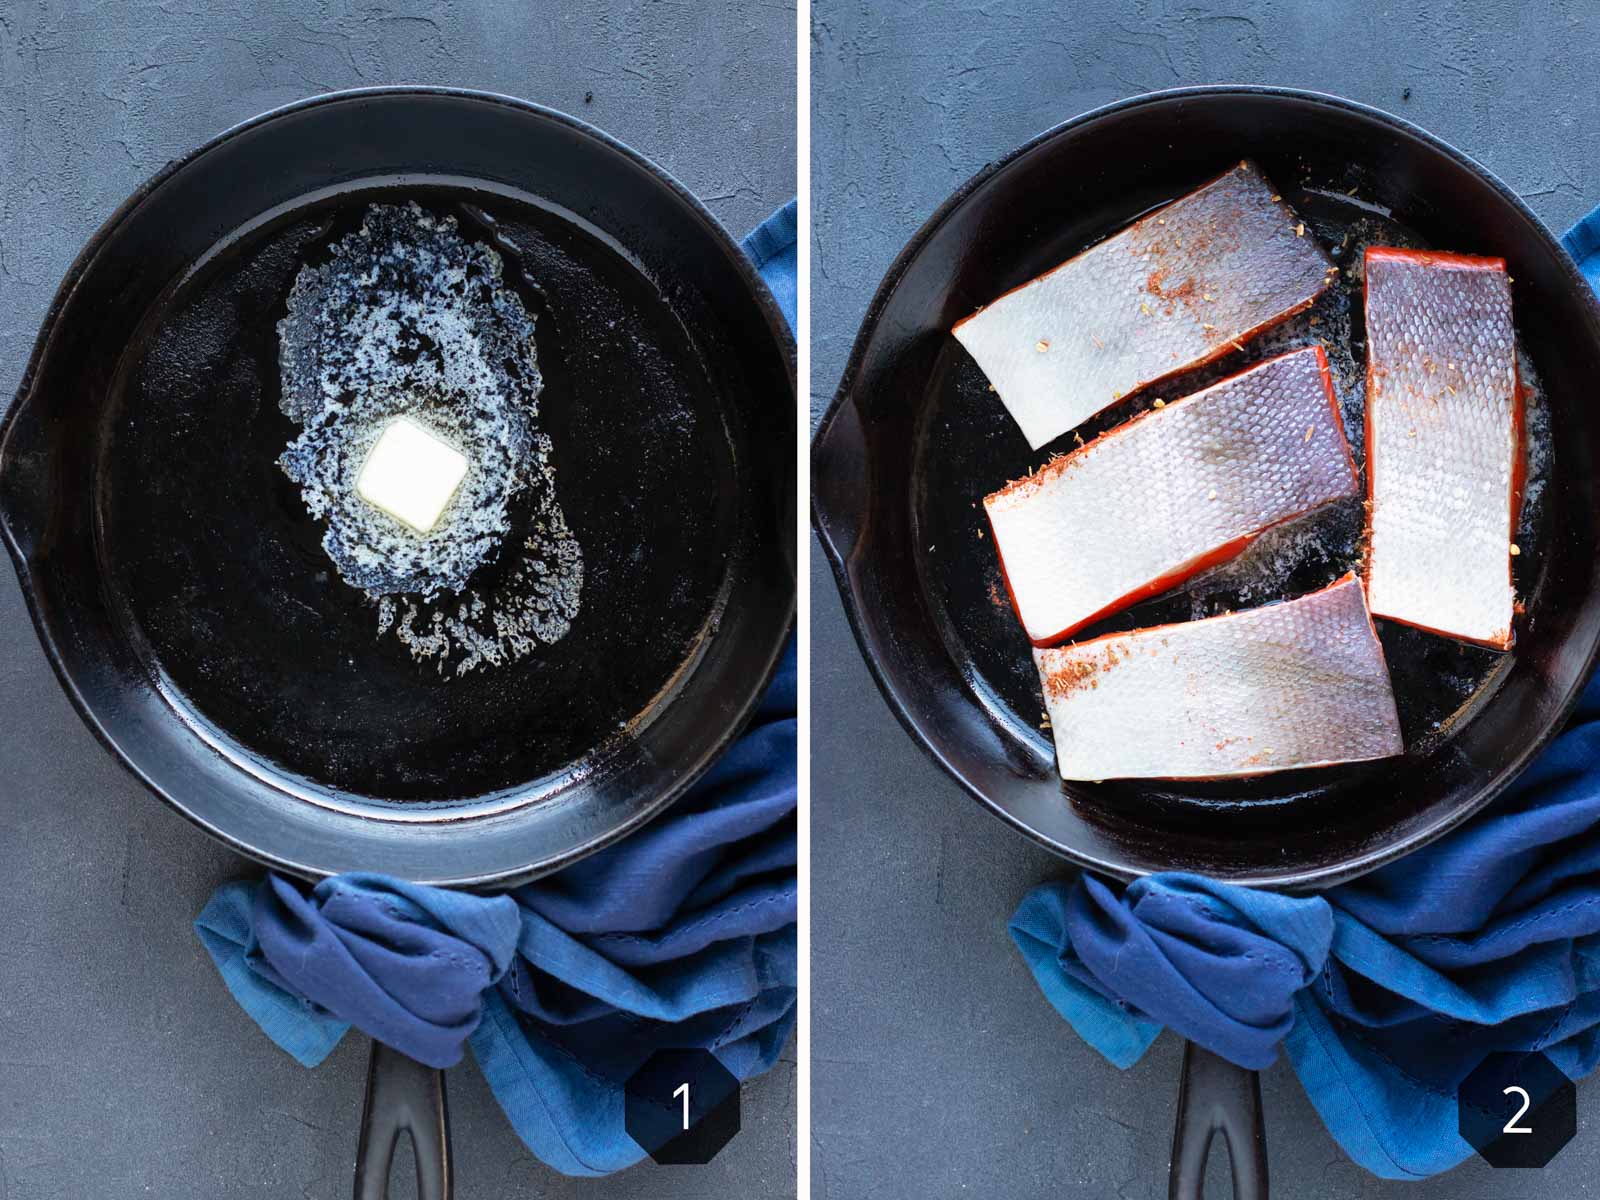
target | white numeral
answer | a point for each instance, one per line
(1511, 1125)
(684, 1089)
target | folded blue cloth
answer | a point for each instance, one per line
(773, 246)
(1385, 992)
(682, 935)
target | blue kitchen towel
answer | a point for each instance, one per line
(1583, 243)
(682, 935)
(774, 247)
(1386, 992)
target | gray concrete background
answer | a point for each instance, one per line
(125, 1067)
(938, 1069)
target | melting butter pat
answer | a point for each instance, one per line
(411, 474)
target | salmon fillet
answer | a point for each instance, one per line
(1173, 290)
(1297, 684)
(1443, 433)
(1175, 490)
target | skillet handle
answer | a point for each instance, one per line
(403, 1096)
(839, 488)
(1215, 1096)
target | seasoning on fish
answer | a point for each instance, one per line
(1444, 462)
(1177, 489)
(1297, 684)
(1175, 289)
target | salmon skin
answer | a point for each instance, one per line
(1145, 506)
(1297, 684)
(1443, 427)
(1175, 289)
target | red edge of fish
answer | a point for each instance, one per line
(1503, 641)
(1435, 258)
(1193, 567)
(1519, 477)
(1155, 587)
(1233, 344)
(1005, 576)
(1058, 463)
(1366, 437)
(1507, 639)
(1106, 637)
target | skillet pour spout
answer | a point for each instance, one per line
(840, 486)
(24, 480)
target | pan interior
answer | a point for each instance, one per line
(237, 612)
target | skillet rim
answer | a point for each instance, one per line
(1299, 879)
(783, 339)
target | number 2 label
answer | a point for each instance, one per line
(1511, 1125)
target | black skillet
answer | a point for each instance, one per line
(913, 438)
(179, 587)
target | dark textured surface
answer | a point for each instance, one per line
(938, 1068)
(125, 1068)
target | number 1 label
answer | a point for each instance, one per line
(683, 1089)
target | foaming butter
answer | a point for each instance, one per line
(409, 364)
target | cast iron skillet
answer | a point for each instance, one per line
(179, 587)
(911, 440)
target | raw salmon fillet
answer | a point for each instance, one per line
(1143, 507)
(1175, 289)
(1443, 427)
(1297, 684)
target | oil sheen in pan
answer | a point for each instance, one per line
(235, 607)
(1438, 682)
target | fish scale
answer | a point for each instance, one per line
(1176, 289)
(1298, 684)
(1175, 490)
(1442, 442)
